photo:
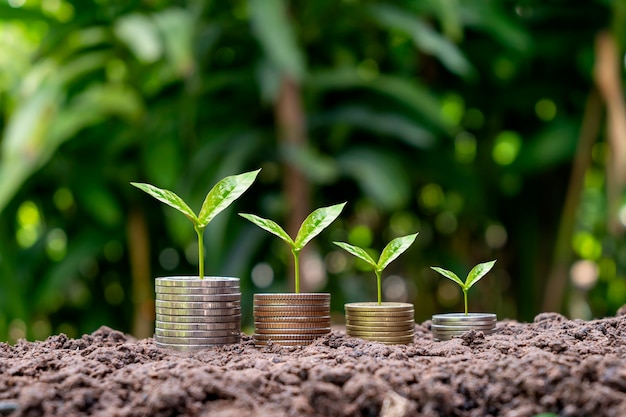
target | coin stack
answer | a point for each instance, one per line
(446, 326)
(194, 314)
(291, 319)
(388, 323)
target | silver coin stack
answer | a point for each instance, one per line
(194, 314)
(446, 326)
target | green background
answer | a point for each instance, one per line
(460, 119)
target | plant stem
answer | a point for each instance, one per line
(379, 286)
(296, 262)
(465, 299)
(200, 232)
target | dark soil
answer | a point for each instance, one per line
(570, 368)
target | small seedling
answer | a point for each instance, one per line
(311, 227)
(219, 198)
(393, 249)
(474, 275)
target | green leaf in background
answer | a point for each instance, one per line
(223, 194)
(358, 252)
(141, 35)
(315, 223)
(169, 198)
(394, 249)
(274, 31)
(270, 226)
(478, 272)
(424, 37)
(176, 26)
(448, 274)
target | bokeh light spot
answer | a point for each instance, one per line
(56, 244)
(446, 223)
(114, 293)
(506, 147)
(584, 274)
(473, 119)
(587, 246)
(496, 236)
(545, 109)
(431, 196)
(395, 289)
(447, 294)
(262, 275)
(453, 108)
(360, 235)
(465, 147)
(169, 259)
(367, 70)
(63, 199)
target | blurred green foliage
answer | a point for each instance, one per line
(457, 119)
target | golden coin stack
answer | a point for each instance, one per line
(194, 314)
(388, 323)
(446, 326)
(291, 319)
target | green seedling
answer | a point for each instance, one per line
(311, 227)
(219, 198)
(474, 275)
(393, 249)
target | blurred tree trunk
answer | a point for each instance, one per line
(291, 124)
(141, 290)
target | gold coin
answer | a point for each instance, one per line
(199, 313)
(394, 328)
(366, 333)
(356, 308)
(293, 331)
(383, 317)
(260, 325)
(201, 306)
(234, 318)
(197, 290)
(196, 340)
(194, 298)
(393, 339)
(235, 325)
(196, 333)
(196, 282)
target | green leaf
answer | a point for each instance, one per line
(275, 33)
(358, 252)
(223, 194)
(169, 198)
(477, 273)
(270, 226)
(315, 223)
(394, 249)
(448, 274)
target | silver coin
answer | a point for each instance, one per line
(235, 325)
(209, 312)
(461, 317)
(168, 318)
(296, 298)
(193, 298)
(197, 290)
(190, 348)
(196, 340)
(197, 282)
(195, 333)
(461, 327)
(200, 306)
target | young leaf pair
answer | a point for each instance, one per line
(393, 249)
(222, 195)
(472, 278)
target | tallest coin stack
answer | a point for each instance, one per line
(194, 314)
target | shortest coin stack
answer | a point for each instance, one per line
(291, 319)
(446, 326)
(194, 314)
(388, 323)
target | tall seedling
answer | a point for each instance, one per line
(225, 192)
(311, 227)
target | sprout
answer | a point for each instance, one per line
(474, 275)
